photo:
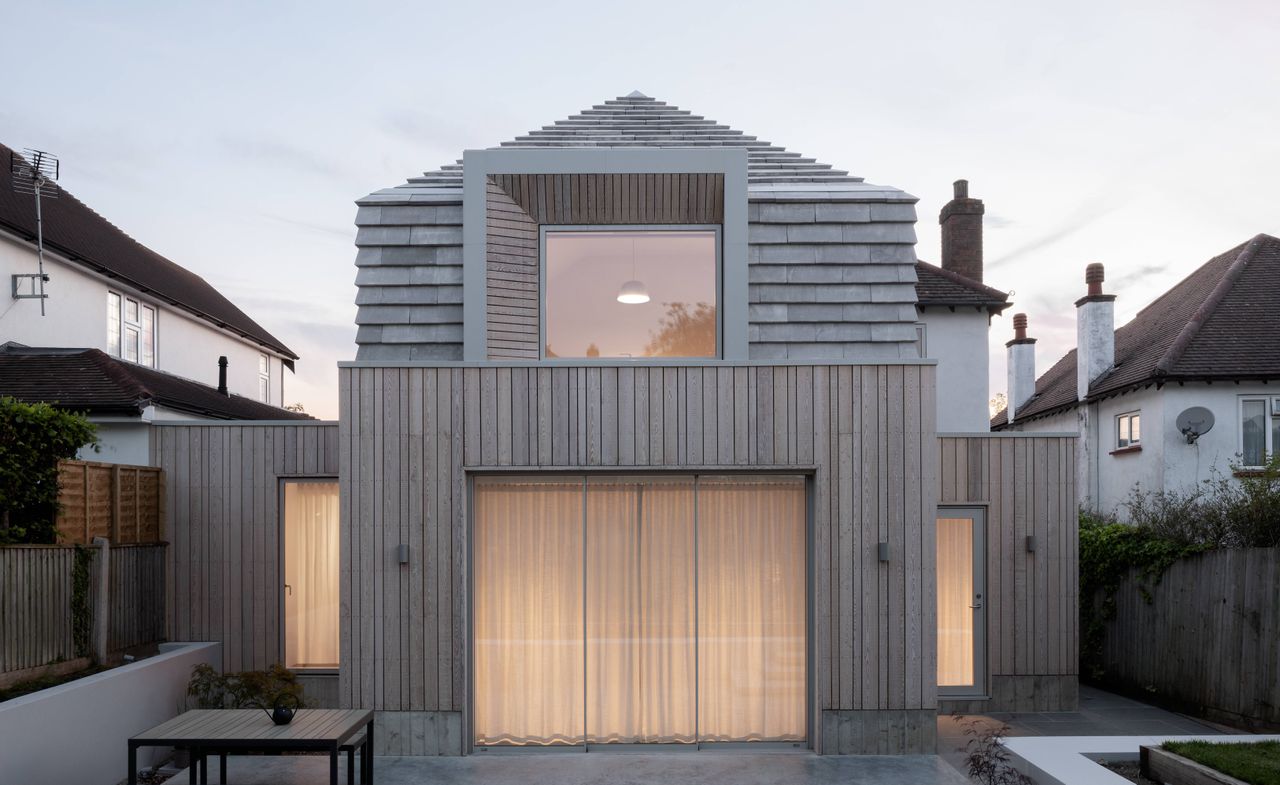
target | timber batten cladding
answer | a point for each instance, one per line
(410, 438)
(222, 508)
(1027, 485)
(830, 258)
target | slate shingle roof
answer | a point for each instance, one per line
(1222, 322)
(74, 231)
(89, 380)
(636, 120)
(938, 287)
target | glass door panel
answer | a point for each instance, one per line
(529, 650)
(961, 619)
(751, 609)
(640, 615)
(311, 600)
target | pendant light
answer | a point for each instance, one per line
(633, 292)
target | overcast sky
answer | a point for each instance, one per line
(233, 138)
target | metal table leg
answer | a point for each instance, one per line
(222, 768)
(333, 765)
(133, 763)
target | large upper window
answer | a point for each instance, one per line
(1259, 430)
(131, 330)
(623, 293)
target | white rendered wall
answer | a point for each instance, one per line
(1165, 460)
(79, 731)
(76, 317)
(958, 341)
(121, 442)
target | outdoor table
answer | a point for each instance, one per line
(222, 731)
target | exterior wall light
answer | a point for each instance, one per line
(882, 551)
(1031, 543)
(402, 554)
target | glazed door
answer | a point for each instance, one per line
(961, 602)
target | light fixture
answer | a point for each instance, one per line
(633, 292)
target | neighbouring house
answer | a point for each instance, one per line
(955, 316)
(163, 325)
(1185, 389)
(639, 446)
(122, 398)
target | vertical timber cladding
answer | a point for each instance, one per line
(517, 205)
(409, 437)
(222, 521)
(1028, 485)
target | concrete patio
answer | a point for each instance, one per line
(610, 768)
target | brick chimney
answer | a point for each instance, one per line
(961, 220)
(1095, 331)
(1021, 366)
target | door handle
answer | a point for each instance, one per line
(977, 602)
(289, 589)
(976, 607)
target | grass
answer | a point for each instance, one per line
(1257, 763)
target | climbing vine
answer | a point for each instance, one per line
(81, 610)
(1108, 551)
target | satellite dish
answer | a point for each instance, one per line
(1194, 422)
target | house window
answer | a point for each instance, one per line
(131, 330)
(264, 378)
(1259, 431)
(311, 574)
(625, 293)
(922, 335)
(1128, 430)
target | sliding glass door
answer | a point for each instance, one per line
(639, 610)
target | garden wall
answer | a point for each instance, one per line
(1208, 642)
(79, 731)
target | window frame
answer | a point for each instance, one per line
(1128, 417)
(124, 326)
(1269, 416)
(282, 632)
(264, 378)
(543, 229)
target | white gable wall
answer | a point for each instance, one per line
(958, 341)
(1165, 460)
(76, 317)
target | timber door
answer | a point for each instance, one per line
(660, 609)
(962, 629)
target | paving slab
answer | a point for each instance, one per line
(608, 768)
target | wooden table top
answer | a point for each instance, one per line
(253, 728)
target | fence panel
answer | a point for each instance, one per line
(116, 501)
(36, 598)
(1208, 641)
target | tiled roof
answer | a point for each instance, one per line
(89, 380)
(73, 230)
(939, 287)
(1222, 322)
(636, 120)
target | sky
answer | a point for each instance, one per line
(233, 138)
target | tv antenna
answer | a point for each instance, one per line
(34, 172)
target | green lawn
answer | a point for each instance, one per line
(1254, 762)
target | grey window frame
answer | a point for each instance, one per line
(634, 228)
(282, 632)
(728, 161)
(981, 674)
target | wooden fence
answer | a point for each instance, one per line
(119, 502)
(36, 599)
(1208, 642)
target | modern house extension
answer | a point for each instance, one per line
(639, 446)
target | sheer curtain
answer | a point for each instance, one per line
(639, 610)
(751, 609)
(529, 666)
(640, 614)
(311, 574)
(955, 593)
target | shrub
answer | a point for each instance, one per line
(244, 690)
(986, 757)
(33, 438)
(1221, 512)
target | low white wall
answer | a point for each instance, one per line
(78, 732)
